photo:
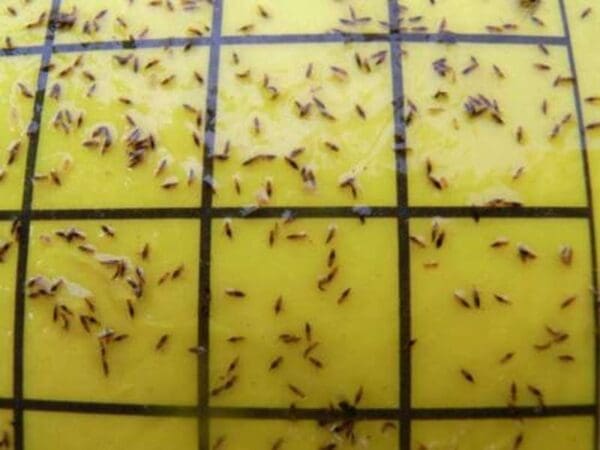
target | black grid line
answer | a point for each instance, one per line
(503, 412)
(299, 212)
(19, 318)
(131, 45)
(332, 37)
(404, 322)
(206, 227)
(120, 409)
(590, 203)
(393, 414)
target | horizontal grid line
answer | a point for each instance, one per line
(305, 38)
(130, 45)
(480, 38)
(117, 213)
(302, 413)
(302, 212)
(445, 38)
(539, 212)
(501, 413)
(25, 50)
(110, 408)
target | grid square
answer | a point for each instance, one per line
(18, 78)
(167, 130)
(348, 147)
(96, 432)
(482, 160)
(301, 434)
(478, 16)
(15, 18)
(357, 336)
(8, 273)
(66, 364)
(306, 17)
(124, 20)
(522, 305)
(574, 433)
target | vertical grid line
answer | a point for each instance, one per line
(19, 318)
(206, 226)
(404, 369)
(590, 205)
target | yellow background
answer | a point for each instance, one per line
(108, 432)
(159, 20)
(358, 340)
(8, 270)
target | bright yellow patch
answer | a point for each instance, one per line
(481, 158)
(451, 337)
(92, 180)
(138, 373)
(138, 19)
(5, 423)
(300, 435)
(14, 27)
(465, 16)
(574, 433)
(74, 432)
(16, 109)
(358, 339)
(307, 16)
(365, 148)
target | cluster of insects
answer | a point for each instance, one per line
(81, 314)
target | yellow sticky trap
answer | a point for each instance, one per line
(18, 79)
(24, 23)
(518, 301)
(574, 433)
(138, 371)
(480, 158)
(302, 318)
(334, 148)
(352, 353)
(8, 270)
(503, 17)
(94, 432)
(306, 17)
(300, 435)
(119, 20)
(90, 178)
